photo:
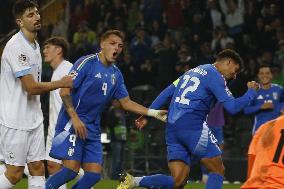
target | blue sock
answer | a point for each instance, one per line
(158, 181)
(215, 181)
(88, 180)
(61, 177)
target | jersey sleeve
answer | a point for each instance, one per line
(79, 71)
(233, 105)
(19, 61)
(121, 91)
(218, 86)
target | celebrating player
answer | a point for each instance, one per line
(187, 134)
(269, 101)
(77, 139)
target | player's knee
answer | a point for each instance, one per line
(15, 176)
(53, 167)
(36, 168)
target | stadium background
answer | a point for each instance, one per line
(164, 38)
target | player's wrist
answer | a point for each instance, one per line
(152, 112)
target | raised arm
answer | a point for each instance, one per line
(234, 105)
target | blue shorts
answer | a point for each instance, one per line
(190, 143)
(67, 146)
(218, 133)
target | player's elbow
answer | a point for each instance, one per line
(64, 92)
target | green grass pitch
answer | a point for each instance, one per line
(111, 184)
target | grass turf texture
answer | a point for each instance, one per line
(111, 184)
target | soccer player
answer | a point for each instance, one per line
(187, 134)
(21, 119)
(55, 52)
(268, 103)
(77, 139)
(266, 157)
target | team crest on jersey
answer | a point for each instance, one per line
(113, 79)
(23, 59)
(71, 151)
(275, 96)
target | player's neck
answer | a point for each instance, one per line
(266, 86)
(103, 59)
(56, 62)
(30, 36)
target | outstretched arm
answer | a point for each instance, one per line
(35, 88)
(129, 105)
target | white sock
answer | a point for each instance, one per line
(36, 182)
(5, 183)
(137, 180)
(64, 186)
(2, 168)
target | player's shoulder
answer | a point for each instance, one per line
(274, 85)
(84, 61)
(15, 41)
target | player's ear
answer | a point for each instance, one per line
(19, 22)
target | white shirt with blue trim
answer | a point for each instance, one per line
(18, 110)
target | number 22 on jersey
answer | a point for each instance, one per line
(187, 88)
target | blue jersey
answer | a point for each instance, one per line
(274, 94)
(198, 90)
(94, 86)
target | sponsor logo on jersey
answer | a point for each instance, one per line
(98, 75)
(260, 97)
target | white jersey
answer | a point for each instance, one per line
(55, 101)
(18, 110)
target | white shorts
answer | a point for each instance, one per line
(19, 147)
(49, 138)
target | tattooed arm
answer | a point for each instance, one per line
(78, 125)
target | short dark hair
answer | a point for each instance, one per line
(59, 41)
(118, 33)
(229, 53)
(21, 6)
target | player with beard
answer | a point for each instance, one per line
(21, 119)
(77, 140)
